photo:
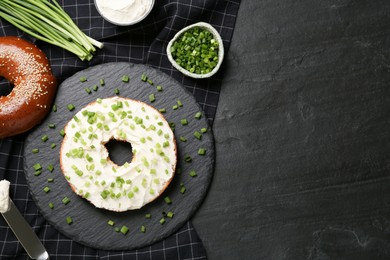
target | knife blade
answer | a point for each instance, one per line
(24, 233)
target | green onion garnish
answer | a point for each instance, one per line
(37, 166)
(124, 230)
(51, 205)
(168, 200)
(143, 229)
(44, 138)
(111, 223)
(62, 132)
(152, 98)
(170, 214)
(179, 103)
(116, 91)
(144, 77)
(54, 108)
(46, 189)
(70, 107)
(196, 50)
(102, 83)
(50, 168)
(83, 79)
(198, 115)
(69, 220)
(88, 90)
(159, 88)
(183, 139)
(52, 126)
(193, 173)
(65, 200)
(162, 221)
(202, 151)
(35, 150)
(53, 145)
(148, 215)
(162, 110)
(125, 78)
(203, 130)
(184, 122)
(198, 135)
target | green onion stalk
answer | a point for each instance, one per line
(47, 21)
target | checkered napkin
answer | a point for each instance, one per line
(142, 43)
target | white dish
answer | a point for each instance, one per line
(216, 35)
(124, 13)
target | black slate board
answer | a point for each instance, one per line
(89, 225)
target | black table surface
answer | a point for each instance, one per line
(302, 134)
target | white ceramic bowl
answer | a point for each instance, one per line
(216, 35)
(110, 15)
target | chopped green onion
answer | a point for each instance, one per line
(202, 151)
(159, 88)
(50, 180)
(37, 166)
(54, 108)
(125, 78)
(168, 200)
(116, 91)
(179, 103)
(35, 150)
(102, 83)
(124, 230)
(203, 130)
(162, 221)
(95, 87)
(187, 158)
(152, 98)
(162, 110)
(170, 214)
(52, 126)
(38, 172)
(198, 115)
(143, 229)
(193, 173)
(144, 77)
(51, 205)
(70, 107)
(44, 138)
(111, 223)
(53, 145)
(184, 122)
(62, 132)
(46, 189)
(65, 200)
(50, 168)
(196, 50)
(117, 229)
(148, 215)
(198, 135)
(150, 81)
(69, 220)
(183, 139)
(88, 90)
(182, 190)
(83, 79)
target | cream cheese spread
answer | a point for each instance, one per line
(85, 160)
(123, 12)
(4, 196)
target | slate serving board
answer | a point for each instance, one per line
(89, 225)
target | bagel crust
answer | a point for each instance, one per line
(28, 69)
(85, 161)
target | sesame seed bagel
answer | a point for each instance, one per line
(90, 172)
(27, 68)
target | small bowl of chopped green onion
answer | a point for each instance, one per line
(196, 50)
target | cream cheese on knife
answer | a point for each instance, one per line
(4, 196)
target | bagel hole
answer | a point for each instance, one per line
(5, 87)
(119, 152)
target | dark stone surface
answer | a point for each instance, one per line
(303, 134)
(89, 223)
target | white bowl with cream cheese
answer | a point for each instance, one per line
(120, 12)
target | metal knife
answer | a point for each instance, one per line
(25, 234)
